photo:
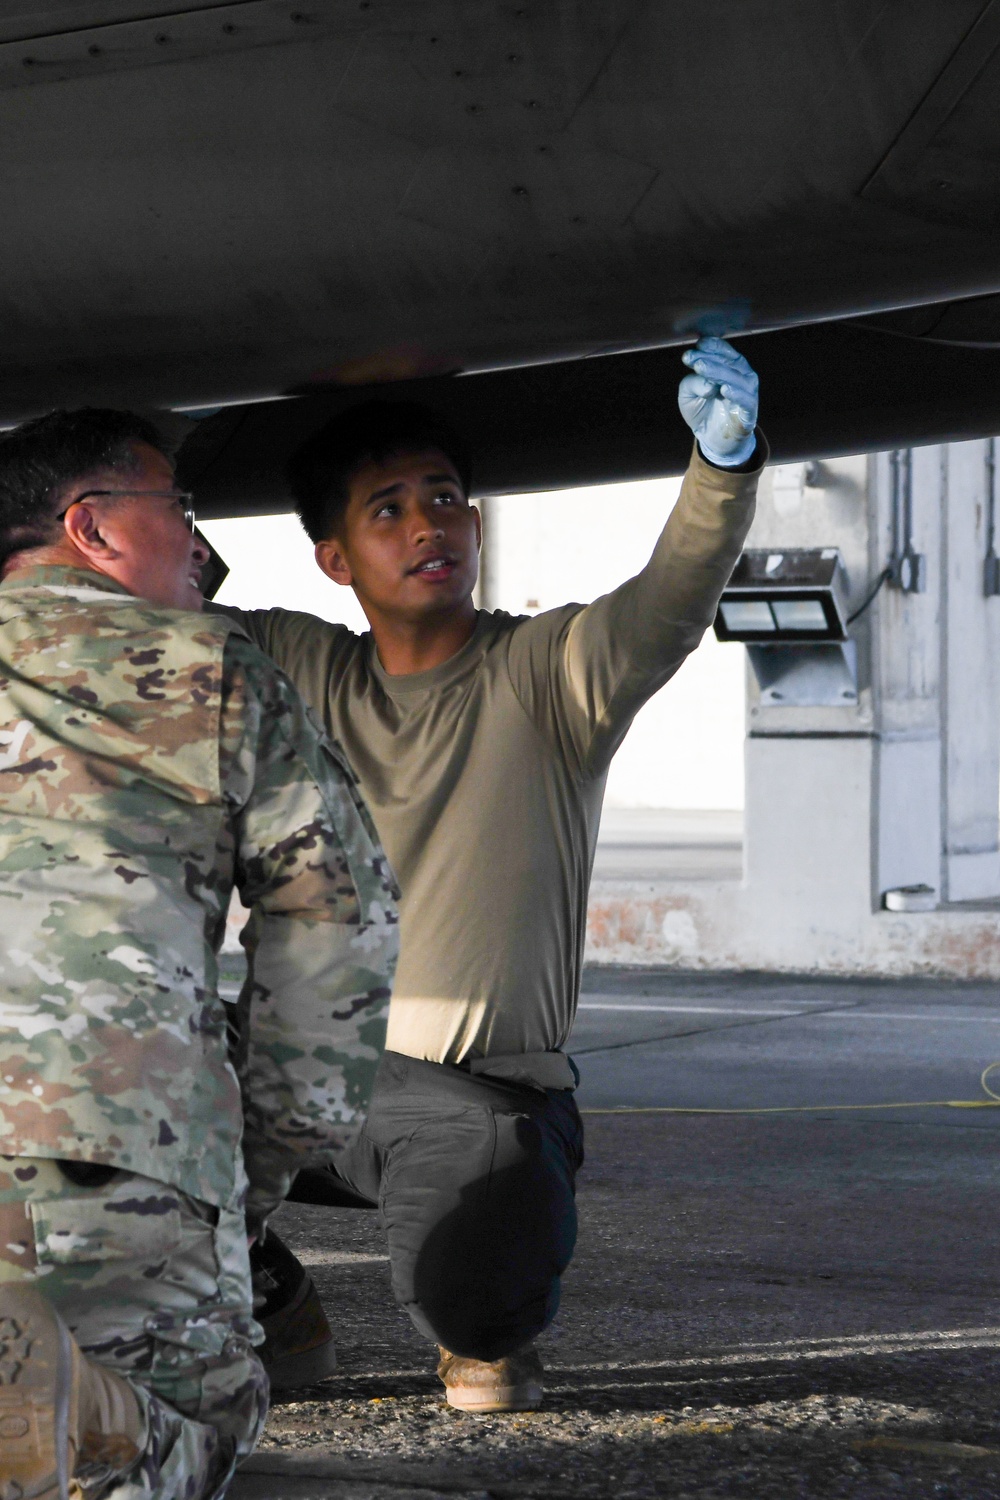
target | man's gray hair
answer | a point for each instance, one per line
(39, 458)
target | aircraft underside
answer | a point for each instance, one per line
(221, 204)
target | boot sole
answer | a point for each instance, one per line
(503, 1398)
(307, 1368)
(42, 1470)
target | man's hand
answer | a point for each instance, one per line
(719, 402)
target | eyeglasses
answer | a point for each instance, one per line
(184, 499)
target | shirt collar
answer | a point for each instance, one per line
(58, 579)
(465, 659)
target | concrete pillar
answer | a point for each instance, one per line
(970, 674)
(487, 592)
(808, 848)
(904, 648)
(810, 833)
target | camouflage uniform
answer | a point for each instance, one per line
(149, 760)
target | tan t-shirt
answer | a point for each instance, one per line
(485, 778)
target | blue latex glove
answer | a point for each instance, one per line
(719, 402)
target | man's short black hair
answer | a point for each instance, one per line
(320, 471)
(39, 458)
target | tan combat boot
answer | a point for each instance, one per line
(513, 1383)
(59, 1411)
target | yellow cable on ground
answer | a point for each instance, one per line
(985, 1086)
(991, 1102)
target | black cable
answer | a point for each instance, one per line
(883, 578)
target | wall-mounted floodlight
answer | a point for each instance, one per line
(780, 598)
(789, 609)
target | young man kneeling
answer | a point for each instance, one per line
(482, 743)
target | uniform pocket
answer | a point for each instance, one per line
(206, 1367)
(131, 1223)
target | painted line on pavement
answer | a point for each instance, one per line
(850, 1012)
(690, 1010)
(796, 1349)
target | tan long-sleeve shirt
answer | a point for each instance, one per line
(485, 777)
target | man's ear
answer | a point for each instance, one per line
(331, 560)
(479, 526)
(87, 535)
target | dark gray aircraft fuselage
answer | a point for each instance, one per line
(233, 203)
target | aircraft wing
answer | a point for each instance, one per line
(236, 203)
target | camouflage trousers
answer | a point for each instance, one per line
(155, 1286)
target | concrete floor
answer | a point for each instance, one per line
(762, 1305)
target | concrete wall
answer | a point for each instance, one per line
(715, 928)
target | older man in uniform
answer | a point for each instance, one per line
(150, 759)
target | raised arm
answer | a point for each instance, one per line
(321, 940)
(582, 674)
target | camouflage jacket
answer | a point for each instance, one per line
(149, 760)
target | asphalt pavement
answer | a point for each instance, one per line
(787, 1289)
(759, 1042)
